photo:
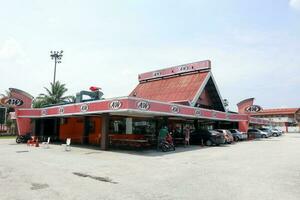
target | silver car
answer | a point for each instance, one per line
(258, 133)
(237, 135)
(267, 130)
(276, 132)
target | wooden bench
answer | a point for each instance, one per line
(130, 142)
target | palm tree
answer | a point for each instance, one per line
(54, 95)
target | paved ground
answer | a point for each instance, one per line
(265, 169)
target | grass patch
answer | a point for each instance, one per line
(7, 137)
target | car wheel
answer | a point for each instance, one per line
(208, 143)
(237, 139)
(263, 136)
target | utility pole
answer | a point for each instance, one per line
(56, 56)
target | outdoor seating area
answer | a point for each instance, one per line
(33, 141)
(128, 140)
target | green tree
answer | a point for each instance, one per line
(54, 95)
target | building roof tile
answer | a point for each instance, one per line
(182, 88)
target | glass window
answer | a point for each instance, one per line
(143, 126)
(117, 126)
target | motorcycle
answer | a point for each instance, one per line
(23, 138)
(166, 146)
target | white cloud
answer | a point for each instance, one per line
(295, 4)
(11, 50)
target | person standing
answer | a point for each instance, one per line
(163, 132)
(187, 137)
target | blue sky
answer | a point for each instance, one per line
(253, 45)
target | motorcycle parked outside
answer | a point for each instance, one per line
(166, 146)
(23, 138)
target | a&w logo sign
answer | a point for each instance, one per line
(143, 105)
(44, 112)
(61, 110)
(84, 108)
(11, 102)
(175, 109)
(253, 108)
(115, 105)
(198, 112)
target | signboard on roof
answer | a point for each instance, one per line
(253, 109)
(11, 102)
(179, 69)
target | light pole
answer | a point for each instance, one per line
(56, 56)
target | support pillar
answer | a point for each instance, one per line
(86, 130)
(104, 132)
(55, 128)
(33, 126)
(42, 128)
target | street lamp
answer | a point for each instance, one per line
(56, 56)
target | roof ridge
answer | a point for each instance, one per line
(194, 67)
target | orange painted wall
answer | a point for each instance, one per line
(94, 137)
(73, 129)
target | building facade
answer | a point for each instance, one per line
(177, 97)
(287, 119)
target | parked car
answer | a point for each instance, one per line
(209, 137)
(227, 135)
(281, 131)
(257, 133)
(267, 130)
(237, 135)
(276, 132)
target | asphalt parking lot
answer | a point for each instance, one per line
(263, 169)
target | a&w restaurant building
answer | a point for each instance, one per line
(184, 95)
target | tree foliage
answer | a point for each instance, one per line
(54, 95)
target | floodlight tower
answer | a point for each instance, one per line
(56, 56)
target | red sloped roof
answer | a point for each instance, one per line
(172, 89)
(277, 111)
